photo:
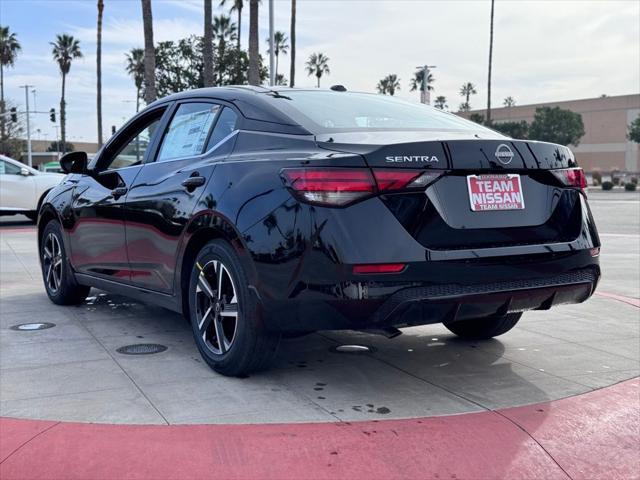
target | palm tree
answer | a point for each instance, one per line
(207, 46)
(292, 33)
(9, 48)
(65, 50)
(466, 91)
(224, 32)
(237, 6)
(509, 101)
(135, 68)
(254, 48)
(99, 71)
(281, 80)
(149, 53)
(279, 46)
(389, 84)
(490, 62)
(318, 65)
(441, 102)
(418, 83)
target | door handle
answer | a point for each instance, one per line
(118, 192)
(192, 183)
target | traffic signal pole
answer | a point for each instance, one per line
(26, 96)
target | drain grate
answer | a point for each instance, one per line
(353, 349)
(141, 349)
(28, 327)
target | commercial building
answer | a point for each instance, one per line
(604, 146)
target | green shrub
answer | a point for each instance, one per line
(634, 180)
(630, 187)
(615, 180)
(607, 185)
(597, 177)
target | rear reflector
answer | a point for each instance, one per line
(378, 268)
(571, 177)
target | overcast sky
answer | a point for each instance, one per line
(543, 50)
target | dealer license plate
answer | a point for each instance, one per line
(495, 192)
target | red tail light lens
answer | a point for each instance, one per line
(330, 186)
(341, 186)
(571, 177)
(378, 268)
(396, 179)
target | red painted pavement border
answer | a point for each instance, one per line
(621, 298)
(595, 435)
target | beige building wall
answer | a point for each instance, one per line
(604, 145)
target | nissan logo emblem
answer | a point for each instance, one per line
(504, 154)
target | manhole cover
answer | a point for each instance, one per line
(353, 349)
(26, 327)
(141, 349)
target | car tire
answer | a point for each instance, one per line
(59, 281)
(484, 328)
(225, 315)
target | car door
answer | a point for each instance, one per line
(97, 238)
(17, 191)
(169, 186)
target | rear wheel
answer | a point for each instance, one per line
(59, 282)
(224, 314)
(484, 328)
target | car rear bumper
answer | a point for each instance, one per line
(446, 297)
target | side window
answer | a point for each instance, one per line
(132, 153)
(9, 168)
(188, 131)
(225, 125)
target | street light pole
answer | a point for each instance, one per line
(26, 96)
(272, 73)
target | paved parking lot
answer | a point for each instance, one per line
(73, 372)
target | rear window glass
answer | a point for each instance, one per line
(325, 112)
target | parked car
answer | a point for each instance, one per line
(22, 188)
(50, 167)
(256, 212)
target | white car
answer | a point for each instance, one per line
(22, 188)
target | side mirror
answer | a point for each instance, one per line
(25, 172)
(74, 162)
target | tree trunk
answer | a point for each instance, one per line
(254, 63)
(276, 75)
(2, 107)
(149, 53)
(137, 100)
(207, 50)
(318, 77)
(99, 72)
(292, 35)
(488, 121)
(63, 118)
(239, 62)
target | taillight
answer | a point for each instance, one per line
(330, 186)
(341, 186)
(571, 177)
(396, 179)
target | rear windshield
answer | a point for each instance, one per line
(327, 112)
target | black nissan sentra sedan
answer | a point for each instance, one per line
(259, 213)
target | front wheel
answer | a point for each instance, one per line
(59, 281)
(224, 314)
(484, 328)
